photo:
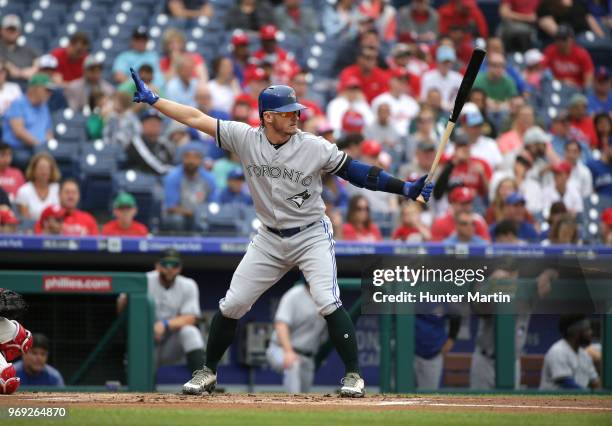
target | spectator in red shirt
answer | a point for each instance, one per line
(124, 210)
(569, 62)
(374, 80)
(11, 178)
(51, 221)
(518, 24)
(70, 58)
(279, 63)
(359, 225)
(76, 222)
(8, 222)
(580, 120)
(464, 169)
(463, 13)
(461, 199)
(411, 227)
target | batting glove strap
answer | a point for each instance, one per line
(143, 93)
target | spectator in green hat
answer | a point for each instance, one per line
(124, 225)
(27, 122)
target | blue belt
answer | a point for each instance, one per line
(289, 232)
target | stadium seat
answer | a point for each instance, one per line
(220, 219)
(96, 180)
(66, 155)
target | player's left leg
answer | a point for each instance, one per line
(313, 252)
(9, 382)
(192, 346)
(307, 371)
(428, 372)
(15, 340)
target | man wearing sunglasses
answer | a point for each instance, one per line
(177, 309)
(283, 169)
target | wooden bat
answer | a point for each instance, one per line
(471, 72)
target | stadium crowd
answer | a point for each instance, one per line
(529, 161)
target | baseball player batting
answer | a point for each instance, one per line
(283, 168)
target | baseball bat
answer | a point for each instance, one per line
(471, 72)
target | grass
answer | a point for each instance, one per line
(275, 417)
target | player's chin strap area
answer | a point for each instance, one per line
(370, 177)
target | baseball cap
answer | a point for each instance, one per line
(140, 32)
(267, 32)
(445, 53)
(349, 82)
(124, 199)
(150, 113)
(461, 139)
(236, 174)
(191, 147)
(401, 49)
(535, 135)
(7, 217)
(255, 74)
(606, 216)
(533, 57)
(578, 98)
(352, 122)
(48, 61)
(92, 61)
(53, 211)
(564, 32)
(473, 118)
(41, 79)
(371, 148)
(170, 258)
(239, 38)
(462, 194)
(562, 167)
(426, 146)
(11, 21)
(602, 73)
(324, 127)
(515, 198)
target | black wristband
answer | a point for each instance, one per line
(395, 186)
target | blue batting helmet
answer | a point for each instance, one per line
(278, 98)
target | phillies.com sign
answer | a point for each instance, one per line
(77, 283)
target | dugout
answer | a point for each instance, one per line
(78, 322)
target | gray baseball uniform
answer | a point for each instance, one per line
(482, 369)
(285, 183)
(562, 361)
(181, 298)
(307, 330)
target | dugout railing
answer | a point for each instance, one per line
(139, 315)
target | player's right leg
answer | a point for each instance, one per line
(258, 270)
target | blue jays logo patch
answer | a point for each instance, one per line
(298, 199)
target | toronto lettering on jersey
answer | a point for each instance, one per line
(292, 175)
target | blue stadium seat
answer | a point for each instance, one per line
(96, 179)
(68, 131)
(215, 219)
(66, 155)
